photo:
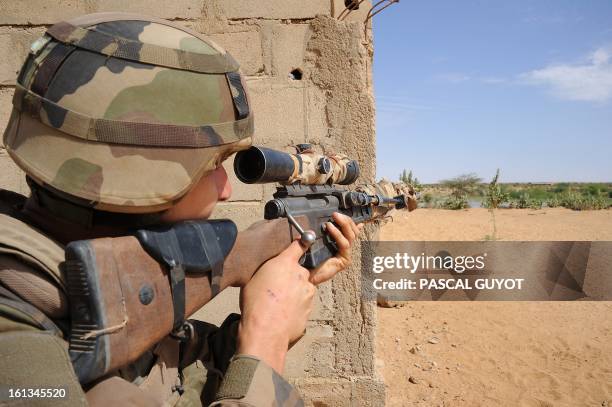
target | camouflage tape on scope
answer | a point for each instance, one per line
(259, 165)
(388, 189)
(343, 170)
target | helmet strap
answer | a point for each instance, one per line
(90, 220)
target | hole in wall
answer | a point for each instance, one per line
(296, 74)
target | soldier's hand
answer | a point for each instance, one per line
(344, 235)
(275, 306)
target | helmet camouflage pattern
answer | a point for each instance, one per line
(126, 113)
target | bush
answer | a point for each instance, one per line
(428, 199)
(535, 204)
(581, 203)
(514, 194)
(561, 187)
(553, 202)
(593, 190)
(454, 203)
(524, 202)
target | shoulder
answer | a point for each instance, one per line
(30, 260)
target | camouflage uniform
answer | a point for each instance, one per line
(115, 118)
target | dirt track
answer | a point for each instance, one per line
(497, 353)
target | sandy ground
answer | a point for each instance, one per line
(511, 224)
(497, 353)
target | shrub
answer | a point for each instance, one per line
(561, 187)
(525, 202)
(455, 203)
(592, 190)
(553, 202)
(514, 194)
(535, 204)
(581, 203)
(494, 195)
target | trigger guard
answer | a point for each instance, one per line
(329, 242)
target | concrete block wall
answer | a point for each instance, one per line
(331, 106)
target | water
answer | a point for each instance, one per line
(474, 204)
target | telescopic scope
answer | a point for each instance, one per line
(260, 165)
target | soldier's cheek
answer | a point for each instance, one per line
(224, 187)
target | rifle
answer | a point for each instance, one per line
(128, 293)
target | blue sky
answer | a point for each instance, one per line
(470, 86)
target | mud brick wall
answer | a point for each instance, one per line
(331, 106)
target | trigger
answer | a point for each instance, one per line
(328, 240)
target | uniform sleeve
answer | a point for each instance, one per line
(37, 359)
(251, 382)
(213, 372)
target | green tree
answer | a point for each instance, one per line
(410, 179)
(462, 185)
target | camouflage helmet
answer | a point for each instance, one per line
(126, 113)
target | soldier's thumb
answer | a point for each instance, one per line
(295, 250)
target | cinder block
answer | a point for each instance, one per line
(42, 11)
(325, 392)
(287, 9)
(240, 191)
(52, 11)
(352, 391)
(324, 304)
(288, 48)
(316, 117)
(368, 392)
(279, 112)
(14, 47)
(184, 9)
(6, 105)
(313, 354)
(246, 47)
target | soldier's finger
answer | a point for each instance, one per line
(340, 239)
(295, 250)
(356, 230)
(345, 225)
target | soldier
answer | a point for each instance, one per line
(122, 121)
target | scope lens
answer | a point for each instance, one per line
(249, 165)
(259, 165)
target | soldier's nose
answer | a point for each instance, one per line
(224, 188)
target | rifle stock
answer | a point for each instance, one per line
(121, 297)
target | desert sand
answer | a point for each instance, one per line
(497, 353)
(511, 224)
